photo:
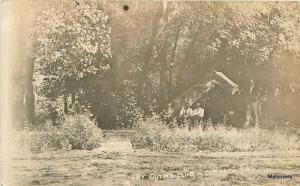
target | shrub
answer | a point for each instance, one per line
(46, 110)
(81, 132)
(154, 135)
(74, 132)
(127, 111)
(49, 141)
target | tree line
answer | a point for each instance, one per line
(124, 65)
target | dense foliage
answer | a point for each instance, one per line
(122, 66)
(72, 132)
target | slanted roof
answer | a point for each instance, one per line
(203, 86)
(224, 77)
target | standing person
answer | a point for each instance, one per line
(186, 115)
(198, 114)
(182, 113)
(169, 115)
(252, 104)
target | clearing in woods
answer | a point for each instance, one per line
(108, 166)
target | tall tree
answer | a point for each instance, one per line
(142, 84)
(72, 52)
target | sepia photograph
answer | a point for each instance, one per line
(158, 92)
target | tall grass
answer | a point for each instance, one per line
(153, 134)
(74, 132)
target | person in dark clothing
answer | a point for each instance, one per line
(252, 104)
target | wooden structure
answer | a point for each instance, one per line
(200, 90)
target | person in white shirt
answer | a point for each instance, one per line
(169, 115)
(186, 114)
(198, 114)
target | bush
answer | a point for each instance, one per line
(74, 132)
(46, 110)
(49, 141)
(81, 132)
(152, 134)
(127, 111)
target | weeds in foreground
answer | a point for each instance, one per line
(152, 134)
(74, 132)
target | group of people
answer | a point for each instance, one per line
(191, 117)
(194, 117)
(252, 99)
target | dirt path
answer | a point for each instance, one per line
(112, 168)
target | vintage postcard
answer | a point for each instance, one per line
(108, 92)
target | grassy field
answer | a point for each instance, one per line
(127, 166)
(154, 135)
(143, 167)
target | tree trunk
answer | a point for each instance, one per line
(142, 84)
(170, 78)
(73, 97)
(65, 104)
(29, 105)
(163, 76)
(185, 60)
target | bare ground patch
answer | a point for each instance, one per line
(80, 167)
